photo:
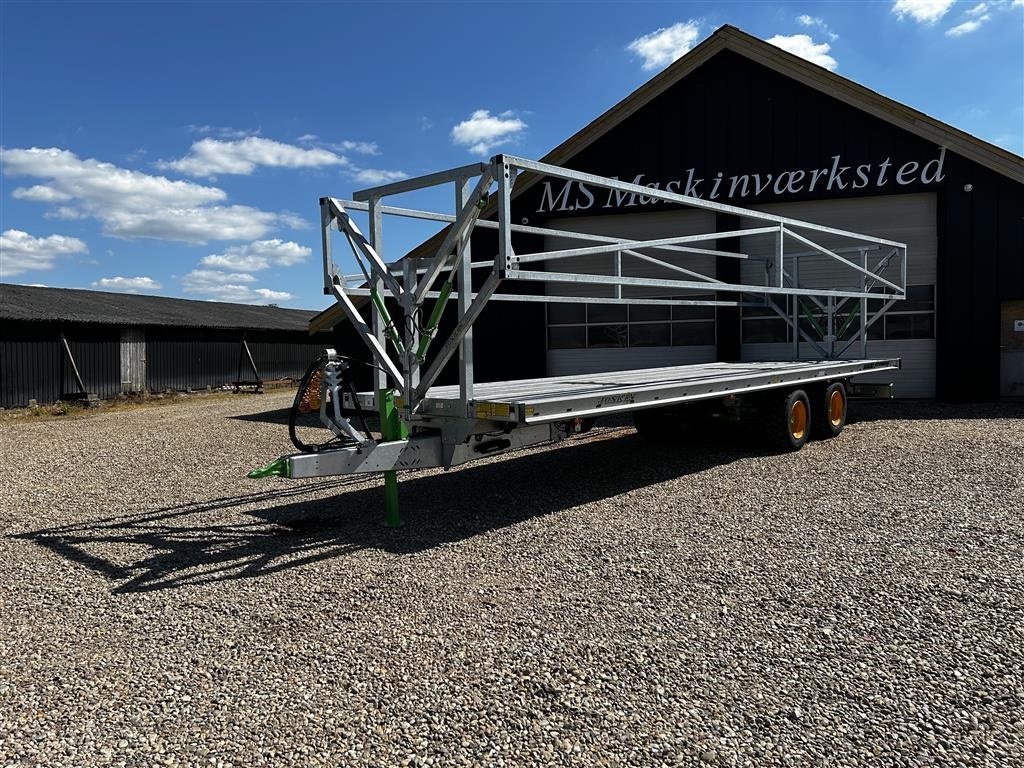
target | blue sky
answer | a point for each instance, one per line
(180, 149)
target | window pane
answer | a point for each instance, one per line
(650, 335)
(767, 311)
(920, 298)
(606, 336)
(875, 331)
(559, 314)
(606, 313)
(567, 337)
(764, 331)
(693, 313)
(693, 334)
(924, 326)
(642, 312)
(898, 327)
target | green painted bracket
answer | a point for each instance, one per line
(276, 468)
(389, 325)
(812, 320)
(433, 322)
(848, 321)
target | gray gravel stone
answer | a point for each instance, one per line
(599, 602)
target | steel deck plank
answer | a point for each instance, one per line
(545, 399)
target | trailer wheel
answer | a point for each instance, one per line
(786, 428)
(830, 411)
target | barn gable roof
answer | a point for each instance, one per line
(38, 304)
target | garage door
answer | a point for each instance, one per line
(908, 329)
(589, 338)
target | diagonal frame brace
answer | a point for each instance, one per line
(348, 226)
(466, 220)
(378, 350)
(451, 345)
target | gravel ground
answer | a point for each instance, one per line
(602, 602)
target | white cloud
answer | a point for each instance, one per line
(806, 20)
(135, 204)
(663, 46)
(40, 193)
(924, 11)
(209, 157)
(972, 25)
(21, 252)
(217, 285)
(362, 147)
(66, 213)
(127, 284)
(224, 131)
(805, 48)
(979, 9)
(375, 176)
(483, 131)
(104, 184)
(192, 225)
(261, 254)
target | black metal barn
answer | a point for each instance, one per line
(56, 342)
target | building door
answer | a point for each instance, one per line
(908, 329)
(1011, 343)
(133, 360)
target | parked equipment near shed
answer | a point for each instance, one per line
(425, 425)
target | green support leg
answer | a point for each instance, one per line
(391, 428)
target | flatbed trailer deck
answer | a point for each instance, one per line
(557, 398)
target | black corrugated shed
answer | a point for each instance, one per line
(185, 344)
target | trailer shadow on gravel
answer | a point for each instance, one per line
(267, 532)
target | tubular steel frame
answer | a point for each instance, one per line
(410, 285)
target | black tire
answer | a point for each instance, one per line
(830, 411)
(784, 420)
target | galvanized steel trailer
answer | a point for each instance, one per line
(424, 425)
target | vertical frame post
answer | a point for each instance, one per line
(779, 252)
(503, 171)
(325, 240)
(796, 309)
(412, 334)
(376, 321)
(864, 306)
(830, 326)
(463, 255)
(618, 273)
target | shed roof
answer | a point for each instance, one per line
(36, 304)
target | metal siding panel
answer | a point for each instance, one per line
(915, 379)
(566, 362)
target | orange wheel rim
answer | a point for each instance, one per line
(798, 420)
(836, 408)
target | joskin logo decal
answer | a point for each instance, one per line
(626, 398)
